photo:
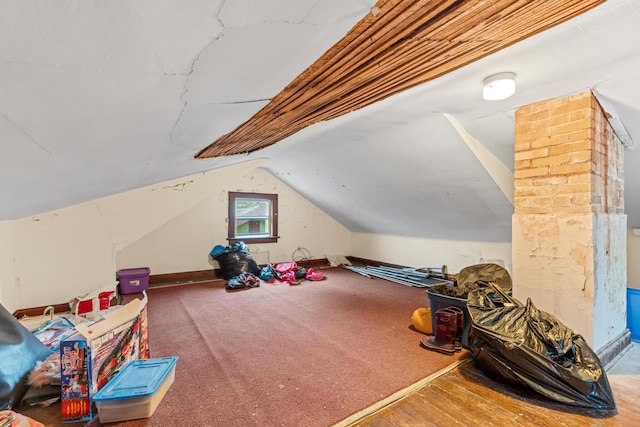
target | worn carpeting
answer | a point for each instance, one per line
(281, 355)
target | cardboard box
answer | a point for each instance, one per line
(137, 390)
(94, 304)
(96, 353)
(54, 332)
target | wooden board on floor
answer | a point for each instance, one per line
(465, 396)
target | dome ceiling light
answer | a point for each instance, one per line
(499, 86)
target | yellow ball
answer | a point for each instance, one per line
(421, 320)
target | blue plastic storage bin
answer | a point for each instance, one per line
(633, 313)
(136, 390)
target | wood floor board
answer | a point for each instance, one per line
(523, 399)
(472, 405)
(403, 417)
(406, 416)
(626, 392)
(485, 398)
(464, 396)
(442, 402)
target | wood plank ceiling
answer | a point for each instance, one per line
(398, 45)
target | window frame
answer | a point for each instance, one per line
(273, 217)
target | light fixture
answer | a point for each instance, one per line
(499, 86)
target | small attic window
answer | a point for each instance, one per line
(253, 217)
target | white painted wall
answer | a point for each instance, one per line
(169, 227)
(70, 252)
(172, 226)
(573, 266)
(184, 242)
(610, 284)
(418, 252)
(7, 293)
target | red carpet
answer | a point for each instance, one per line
(281, 355)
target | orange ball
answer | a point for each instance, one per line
(421, 320)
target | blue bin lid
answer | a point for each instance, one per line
(139, 378)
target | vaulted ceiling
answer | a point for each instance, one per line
(397, 46)
(101, 97)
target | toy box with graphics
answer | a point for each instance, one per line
(99, 350)
(74, 379)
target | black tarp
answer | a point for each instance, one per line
(20, 350)
(518, 344)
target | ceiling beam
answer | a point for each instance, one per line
(398, 45)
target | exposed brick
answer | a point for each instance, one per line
(579, 178)
(522, 127)
(535, 202)
(570, 169)
(539, 116)
(549, 141)
(528, 173)
(571, 189)
(571, 147)
(597, 182)
(551, 160)
(577, 209)
(540, 105)
(549, 180)
(531, 154)
(585, 134)
(579, 156)
(525, 192)
(559, 119)
(562, 201)
(542, 132)
(562, 108)
(579, 145)
(522, 113)
(618, 203)
(581, 199)
(585, 113)
(526, 182)
(521, 146)
(571, 127)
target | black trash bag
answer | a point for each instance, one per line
(519, 344)
(472, 277)
(239, 247)
(468, 279)
(235, 260)
(486, 272)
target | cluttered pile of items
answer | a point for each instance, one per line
(423, 277)
(241, 271)
(510, 341)
(85, 360)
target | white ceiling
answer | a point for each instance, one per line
(100, 97)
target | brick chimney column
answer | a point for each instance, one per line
(569, 226)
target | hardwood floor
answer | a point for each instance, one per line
(464, 396)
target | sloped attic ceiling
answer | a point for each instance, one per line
(102, 97)
(399, 45)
